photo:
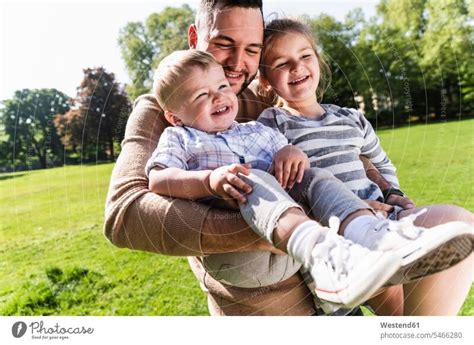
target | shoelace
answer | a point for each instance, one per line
(404, 227)
(334, 249)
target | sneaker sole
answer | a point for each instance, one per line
(438, 259)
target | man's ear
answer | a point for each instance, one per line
(192, 36)
(172, 118)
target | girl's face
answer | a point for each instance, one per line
(292, 68)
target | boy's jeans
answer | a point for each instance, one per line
(324, 194)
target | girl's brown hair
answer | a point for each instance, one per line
(279, 27)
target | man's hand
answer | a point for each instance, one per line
(289, 165)
(402, 201)
(380, 207)
(225, 183)
(393, 200)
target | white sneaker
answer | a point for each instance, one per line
(345, 274)
(423, 251)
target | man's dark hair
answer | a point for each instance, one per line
(204, 15)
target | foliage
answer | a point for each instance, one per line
(143, 45)
(97, 118)
(30, 139)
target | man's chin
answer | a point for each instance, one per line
(237, 88)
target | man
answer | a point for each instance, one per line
(138, 219)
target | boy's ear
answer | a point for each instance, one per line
(172, 118)
(192, 36)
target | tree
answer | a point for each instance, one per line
(336, 41)
(95, 124)
(143, 45)
(31, 138)
(425, 53)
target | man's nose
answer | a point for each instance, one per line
(236, 59)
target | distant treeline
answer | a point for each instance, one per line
(413, 61)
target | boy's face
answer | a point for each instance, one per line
(204, 100)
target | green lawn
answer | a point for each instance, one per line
(56, 261)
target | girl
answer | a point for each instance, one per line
(333, 137)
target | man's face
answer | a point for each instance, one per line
(235, 39)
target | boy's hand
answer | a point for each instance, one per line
(225, 183)
(289, 165)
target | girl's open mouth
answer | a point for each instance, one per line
(299, 80)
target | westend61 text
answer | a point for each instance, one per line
(38, 328)
(400, 325)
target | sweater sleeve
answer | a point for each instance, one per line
(135, 217)
(372, 149)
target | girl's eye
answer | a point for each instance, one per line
(223, 86)
(306, 56)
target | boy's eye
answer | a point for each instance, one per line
(281, 65)
(306, 56)
(201, 95)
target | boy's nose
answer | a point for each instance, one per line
(217, 96)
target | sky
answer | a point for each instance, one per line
(46, 44)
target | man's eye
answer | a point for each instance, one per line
(224, 46)
(252, 52)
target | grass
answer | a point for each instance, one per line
(56, 261)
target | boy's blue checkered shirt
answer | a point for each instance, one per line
(191, 149)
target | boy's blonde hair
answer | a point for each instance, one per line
(173, 70)
(279, 27)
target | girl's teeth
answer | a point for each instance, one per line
(299, 79)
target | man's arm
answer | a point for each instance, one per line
(374, 175)
(136, 218)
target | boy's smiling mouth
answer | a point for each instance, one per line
(221, 111)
